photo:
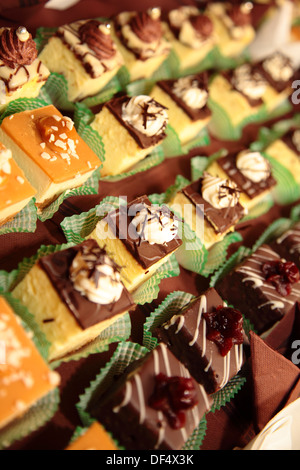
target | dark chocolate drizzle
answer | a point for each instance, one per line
(85, 312)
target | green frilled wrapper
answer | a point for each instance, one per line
(42, 411)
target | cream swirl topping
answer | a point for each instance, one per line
(157, 225)
(96, 277)
(188, 90)
(218, 192)
(251, 84)
(296, 139)
(145, 114)
(253, 166)
(279, 67)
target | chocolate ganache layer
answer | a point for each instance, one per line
(195, 114)
(87, 313)
(220, 219)
(254, 76)
(145, 253)
(144, 141)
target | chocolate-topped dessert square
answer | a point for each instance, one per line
(214, 207)
(286, 151)
(155, 405)
(130, 128)
(186, 100)
(192, 35)
(264, 287)
(140, 237)
(288, 245)
(140, 39)
(207, 336)
(250, 171)
(74, 294)
(85, 53)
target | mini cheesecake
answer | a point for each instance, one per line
(74, 295)
(155, 405)
(250, 171)
(140, 40)
(210, 206)
(191, 34)
(186, 100)
(85, 54)
(139, 237)
(15, 189)
(25, 378)
(130, 129)
(94, 438)
(46, 146)
(233, 26)
(22, 73)
(207, 336)
(286, 151)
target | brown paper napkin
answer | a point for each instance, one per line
(276, 381)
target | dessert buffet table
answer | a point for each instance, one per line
(272, 379)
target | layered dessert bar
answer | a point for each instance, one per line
(25, 378)
(139, 37)
(156, 405)
(22, 73)
(286, 151)
(15, 189)
(192, 35)
(288, 245)
(210, 206)
(207, 336)
(85, 54)
(47, 147)
(130, 129)
(94, 438)
(264, 287)
(139, 237)
(250, 171)
(233, 26)
(74, 295)
(186, 100)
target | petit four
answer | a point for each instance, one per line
(94, 438)
(264, 287)
(15, 189)
(250, 171)
(186, 100)
(74, 294)
(286, 150)
(47, 147)
(139, 37)
(130, 129)
(139, 237)
(233, 26)
(207, 337)
(157, 405)
(288, 245)
(191, 34)
(85, 54)
(25, 378)
(210, 206)
(22, 73)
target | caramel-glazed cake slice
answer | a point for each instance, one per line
(22, 73)
(24, 376)
(15, 189)
(85, 53)
(74, 295)
(94, 438)
(47, 147)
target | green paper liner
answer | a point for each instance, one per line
(23, 222)
(125, 354)
(78, 227)
(287, 189)
(120, 330)
(268, 135)
(42, 411)
(89, 187)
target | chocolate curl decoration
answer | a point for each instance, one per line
(148, 29)
(97, 36)
(14, 51)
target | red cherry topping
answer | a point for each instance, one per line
(282, 274)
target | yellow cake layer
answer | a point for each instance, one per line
(36, 292)
(285, 155)
(29, 90)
